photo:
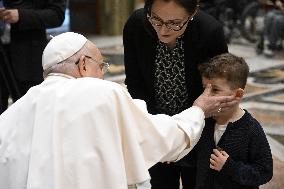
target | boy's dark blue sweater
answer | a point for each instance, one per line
(250, 161)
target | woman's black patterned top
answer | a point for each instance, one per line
(170, 84)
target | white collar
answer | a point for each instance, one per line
(61, 75)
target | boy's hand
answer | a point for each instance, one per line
(218, 159)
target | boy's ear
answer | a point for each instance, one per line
(240, 92)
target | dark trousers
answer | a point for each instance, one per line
(274, 27)
(167, 176)
(4, 95)
(9, 85)
(23, 87)
(4, 80)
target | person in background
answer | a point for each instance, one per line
(164, 43)
(26, 38)
(233, 152)
(3, 65)
(2, 25)
(274, 29)
(77, 131)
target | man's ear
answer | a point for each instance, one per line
(82, 65)
(240, 92)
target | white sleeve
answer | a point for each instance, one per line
(141, 104)
(191, 121)
(189, 126)
(161, 137)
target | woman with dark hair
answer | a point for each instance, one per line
(164, 43)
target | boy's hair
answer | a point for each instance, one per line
(226, 66)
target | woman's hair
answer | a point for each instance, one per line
(226, 66)
(189, 5)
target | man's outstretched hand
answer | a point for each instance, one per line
(214, 105)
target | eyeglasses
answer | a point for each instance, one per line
(158, 22)
(104, 66)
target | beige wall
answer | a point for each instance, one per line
(139, 3)
(114, 14)
(103, 17)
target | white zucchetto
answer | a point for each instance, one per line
(62, 47)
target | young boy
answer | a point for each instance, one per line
(233, 152)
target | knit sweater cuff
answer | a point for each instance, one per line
(229, 167)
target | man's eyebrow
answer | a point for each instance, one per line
(104, 59)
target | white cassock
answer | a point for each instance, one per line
(88, 133)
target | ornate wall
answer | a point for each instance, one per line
(104, 17)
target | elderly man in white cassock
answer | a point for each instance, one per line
(78, 131)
